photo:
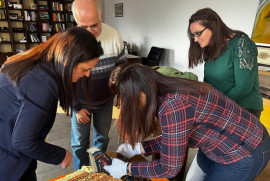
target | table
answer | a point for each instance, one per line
(134, 59)
(113, 155)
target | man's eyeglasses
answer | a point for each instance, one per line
(197, 34)
(91, 27)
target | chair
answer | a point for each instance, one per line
(154, 56)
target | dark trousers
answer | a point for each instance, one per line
(30, 173)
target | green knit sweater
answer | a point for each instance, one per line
(235, 73)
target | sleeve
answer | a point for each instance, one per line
(77, 107)
(176, 119)
(245, 68)
(152, 146)
(35, 118)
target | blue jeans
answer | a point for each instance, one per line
(246, 169)
(80, 133)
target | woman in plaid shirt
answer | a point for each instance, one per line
(233, 144)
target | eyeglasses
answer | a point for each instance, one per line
(91, 27)
(197, 34)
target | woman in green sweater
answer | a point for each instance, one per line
(230, 58)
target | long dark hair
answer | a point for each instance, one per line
(64, 50)
(220, 35)
(128, 82)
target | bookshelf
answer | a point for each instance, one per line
(26, 23)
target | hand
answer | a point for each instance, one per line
(117, 169)
(67, 160)
(83, 116)
(126, 150)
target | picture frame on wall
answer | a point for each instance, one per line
(118, 9)
(263, 55)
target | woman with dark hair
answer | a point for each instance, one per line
(230, 59)
(233, 144)
(30, 85)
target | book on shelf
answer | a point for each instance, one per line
(18, 29)
(44, 16)
(32, 27)
(58, 17)
(59, 27)
(45, 27)
(69, 17)
(34, 38)
(3, 14)
(68, 6)
(43, 7)
(30, 15)
(57, 6)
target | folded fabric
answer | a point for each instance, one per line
(173, 72)
(98, 159)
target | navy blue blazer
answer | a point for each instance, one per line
(27, 113)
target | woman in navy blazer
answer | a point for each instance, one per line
(30, 85)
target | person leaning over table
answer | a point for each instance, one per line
(31, 83)
(97, 101)
(233, 144)
(230, 58)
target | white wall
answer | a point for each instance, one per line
(164, 23)
(100, 2)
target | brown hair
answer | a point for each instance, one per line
(64, 50)
(128, 82)
(220, 34)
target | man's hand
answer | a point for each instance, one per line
(83, 116)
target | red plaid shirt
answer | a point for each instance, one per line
(224, 132)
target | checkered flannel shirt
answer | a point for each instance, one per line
(224, 132)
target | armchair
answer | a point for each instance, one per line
(154, 56)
